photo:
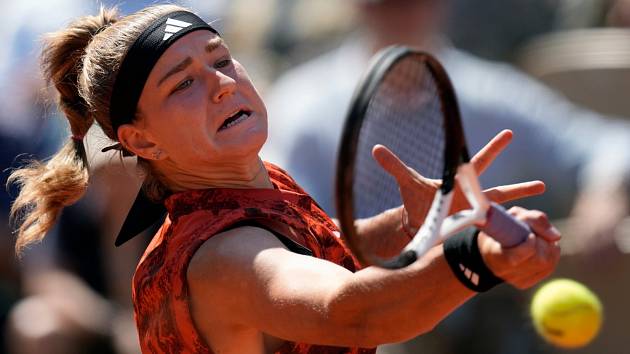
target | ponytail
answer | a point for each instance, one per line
(47, 187)
(81, 62)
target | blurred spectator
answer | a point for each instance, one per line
(619, 14)
(281, 33)
(581, 156)
(494, 29)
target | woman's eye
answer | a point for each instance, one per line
(223, 63)
(183, 85)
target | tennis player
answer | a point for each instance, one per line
(245, 261)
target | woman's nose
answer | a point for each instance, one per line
(226, 86)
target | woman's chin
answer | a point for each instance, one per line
(247, 145)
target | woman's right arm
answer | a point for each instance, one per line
(246, 278)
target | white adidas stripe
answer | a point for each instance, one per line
(173, 26)
(179, 23)
(472, 276)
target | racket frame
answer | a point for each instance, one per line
(457, 169)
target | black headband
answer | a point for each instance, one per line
(141, 58)
(132, 76)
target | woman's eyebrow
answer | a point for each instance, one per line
(214, 43)
(179, 67)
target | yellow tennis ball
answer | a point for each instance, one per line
(566, 313)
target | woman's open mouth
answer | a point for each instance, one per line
(235, 119)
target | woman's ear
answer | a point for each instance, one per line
(140, 142)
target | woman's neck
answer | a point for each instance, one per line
(250, 174)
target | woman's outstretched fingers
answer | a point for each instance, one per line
(493, 148)
(502, 194)
(392, 164)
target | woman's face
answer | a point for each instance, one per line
(198, 105)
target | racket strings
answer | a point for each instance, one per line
(405, 115)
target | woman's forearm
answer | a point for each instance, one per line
(379, 306)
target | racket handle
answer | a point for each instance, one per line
(504, 228)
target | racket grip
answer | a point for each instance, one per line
(504, 228)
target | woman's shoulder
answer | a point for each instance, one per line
(228, 257)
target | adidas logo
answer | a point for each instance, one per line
(473, 277)
(174, 26)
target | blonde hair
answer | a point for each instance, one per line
(81, 62)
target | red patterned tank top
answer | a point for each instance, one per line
(160, 291)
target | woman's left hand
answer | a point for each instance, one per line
(417, 191)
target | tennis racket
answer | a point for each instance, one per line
(406, 102)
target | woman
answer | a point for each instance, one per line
(245, 262)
